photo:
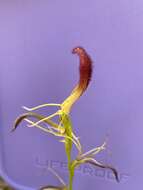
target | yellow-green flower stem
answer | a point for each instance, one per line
(71, 99)
(65, 120)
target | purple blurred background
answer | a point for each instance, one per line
(36, 66)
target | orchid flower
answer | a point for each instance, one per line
(64, 128)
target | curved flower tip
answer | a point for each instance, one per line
(85, 68)
(94, 162)
(85, 72)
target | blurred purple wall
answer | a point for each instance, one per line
(36, 66)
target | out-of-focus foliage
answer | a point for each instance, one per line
(4, 185)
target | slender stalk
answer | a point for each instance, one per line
(71, 176)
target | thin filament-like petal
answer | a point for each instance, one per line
(58, 134)
(58, 177)
(40, 106)
(46, 118)
(93, 151)
(37, 116)
(96, 163)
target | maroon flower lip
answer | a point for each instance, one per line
(85, 74)
(85, 68)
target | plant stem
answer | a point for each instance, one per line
(71, 175)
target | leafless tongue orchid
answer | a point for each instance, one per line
(63, 128)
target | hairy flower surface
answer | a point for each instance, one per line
(85, 72)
